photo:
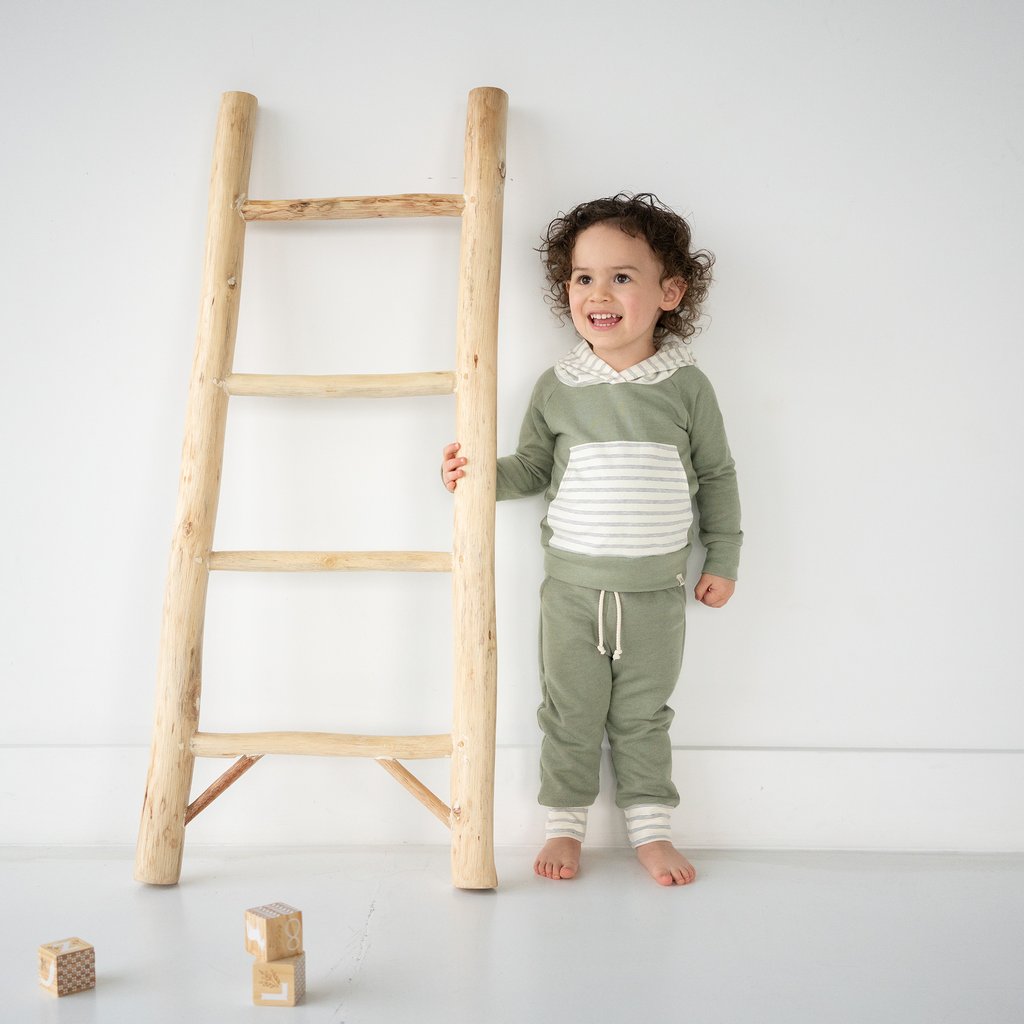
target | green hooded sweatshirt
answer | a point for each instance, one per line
(623, 458)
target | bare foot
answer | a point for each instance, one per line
(560, 858)
(665, 864)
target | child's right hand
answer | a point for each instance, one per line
(451, 466)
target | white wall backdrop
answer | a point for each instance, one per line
(855, 167)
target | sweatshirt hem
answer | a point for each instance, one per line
(610, 574)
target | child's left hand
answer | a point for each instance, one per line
(713, 591)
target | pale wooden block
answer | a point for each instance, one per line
(273, 932)
(66, 966)
(279, 982)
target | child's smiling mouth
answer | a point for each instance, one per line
(603, 319)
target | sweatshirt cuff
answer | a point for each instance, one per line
(723, 561)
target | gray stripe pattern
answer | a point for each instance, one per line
(648, 823)
(621, 498)
(580, 368)
(570, 822)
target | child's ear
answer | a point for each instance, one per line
(673, 289)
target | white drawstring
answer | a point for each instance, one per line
(618, 627)
(617, 653)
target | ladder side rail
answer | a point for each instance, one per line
(473, 612)
(162, 829)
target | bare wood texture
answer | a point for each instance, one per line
(162, 830)
(475, 650)
(280, 982)
(176, 739)
(391, 385)
(353, 207)
(331, 561)
(433, 803)
(324, 744)
(208, 795)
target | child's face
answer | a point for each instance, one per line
(616, 294)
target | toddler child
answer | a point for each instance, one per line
(624, 436)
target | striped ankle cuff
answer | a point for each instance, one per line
(648, 823)
(569, 822)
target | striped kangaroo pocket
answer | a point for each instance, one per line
(623, 498)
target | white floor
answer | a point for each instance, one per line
(759, 938)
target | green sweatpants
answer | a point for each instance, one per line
(586, 694)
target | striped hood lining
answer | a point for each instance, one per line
(580, 368)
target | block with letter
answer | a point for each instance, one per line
(273, 932)
(279, 982)
(67, 966)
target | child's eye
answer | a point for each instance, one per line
(622, 278)
(583, 279)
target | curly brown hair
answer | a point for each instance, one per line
(641, 216)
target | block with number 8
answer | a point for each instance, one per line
(273, 932)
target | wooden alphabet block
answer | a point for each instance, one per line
(273, 932)
(67, 966)
(279, 982)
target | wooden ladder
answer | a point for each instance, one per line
(177, 740)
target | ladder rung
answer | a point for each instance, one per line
(367, 385)
(330, 744)
(331, 561)
(415, 204)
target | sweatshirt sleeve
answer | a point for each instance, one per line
(717, 495)
(528, 470)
